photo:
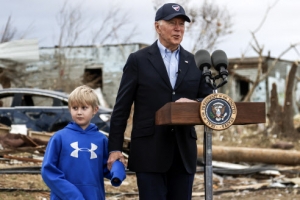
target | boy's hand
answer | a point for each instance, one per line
(113, 156)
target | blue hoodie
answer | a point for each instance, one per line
(75, 164)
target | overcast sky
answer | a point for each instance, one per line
(281, 28)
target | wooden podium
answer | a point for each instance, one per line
(189, 114)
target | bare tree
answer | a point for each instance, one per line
(269, 8)
(280, 117)
(209, 23)
(261, 77)
(258, 48)
(71, 24)
(74, 24)
(114, 24)
(9, 31)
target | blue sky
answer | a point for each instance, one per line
(280, 30)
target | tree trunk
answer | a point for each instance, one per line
(288, 125)
(275, 112)
(281, 118)
(252, 155)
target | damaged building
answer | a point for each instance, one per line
(64, 68)
(67, 67)
(100, 67)
(243, 73)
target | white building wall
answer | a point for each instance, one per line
(47, 73)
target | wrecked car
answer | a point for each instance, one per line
(42, 110)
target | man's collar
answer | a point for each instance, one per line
(163, 50)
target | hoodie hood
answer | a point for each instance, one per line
(75, 127)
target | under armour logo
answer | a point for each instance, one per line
(77, 149)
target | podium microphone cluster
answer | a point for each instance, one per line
(218, 59)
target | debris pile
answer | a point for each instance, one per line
(14, 146)
(232, 176)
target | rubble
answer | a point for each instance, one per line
(13, 145)
(23, 154)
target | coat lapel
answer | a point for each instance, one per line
(158, 63)
(184, 63)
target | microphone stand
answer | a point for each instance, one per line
(207, 139)
(211, 80)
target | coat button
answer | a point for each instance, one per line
(173, 93)
(172, 130)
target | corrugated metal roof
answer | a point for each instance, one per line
(20, 51)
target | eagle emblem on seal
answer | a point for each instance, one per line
(218, 110)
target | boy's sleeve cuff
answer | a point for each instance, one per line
(118, 173)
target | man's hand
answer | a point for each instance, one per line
(113, 156)
(185, 100)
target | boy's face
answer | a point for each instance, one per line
(82, 115)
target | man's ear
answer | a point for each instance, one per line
(156, 25)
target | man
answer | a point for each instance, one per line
(163, 157)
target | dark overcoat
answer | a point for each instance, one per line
(145, 83)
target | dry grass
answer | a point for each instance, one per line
(23, 182)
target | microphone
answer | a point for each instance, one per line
(220, 62)
(203, 62)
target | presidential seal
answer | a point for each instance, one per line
(218, 111)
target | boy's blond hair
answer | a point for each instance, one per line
(83, 95)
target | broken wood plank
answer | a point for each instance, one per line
(29, 141)
(45, 136)
(22, 158)
(22, 149)
(4, 130)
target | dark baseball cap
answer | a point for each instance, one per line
(169, 11)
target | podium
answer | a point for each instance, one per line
(181, 113)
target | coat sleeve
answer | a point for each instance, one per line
(106, 172)
(54, 177)
(124, 101)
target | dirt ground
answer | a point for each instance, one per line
(225, 187)
(128, 191)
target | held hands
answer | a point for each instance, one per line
(185, 100)
(113, 156)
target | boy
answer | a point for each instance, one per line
(75, 162)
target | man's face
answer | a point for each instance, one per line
(170, 32)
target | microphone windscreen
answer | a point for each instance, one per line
(219, 58)
(203, 59)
